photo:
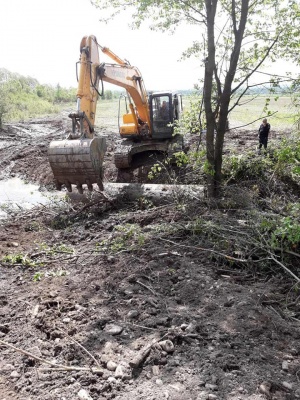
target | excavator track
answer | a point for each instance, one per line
(126, 149)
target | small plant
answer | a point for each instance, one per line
(32, 226)
(39, 275)
(125, 237)
(19, 259)
(57, 248)
(155, 171)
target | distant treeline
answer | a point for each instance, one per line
(23, 97)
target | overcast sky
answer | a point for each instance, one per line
(41, 38)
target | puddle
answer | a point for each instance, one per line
(15, 194)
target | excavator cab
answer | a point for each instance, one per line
(165, 109)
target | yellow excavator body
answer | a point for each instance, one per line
(78, 159)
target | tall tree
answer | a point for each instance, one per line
(239, 36)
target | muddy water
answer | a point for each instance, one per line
(15, 195)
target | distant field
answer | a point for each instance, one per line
(241, 116)
(252, 109)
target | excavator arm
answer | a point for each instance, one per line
(121, 74)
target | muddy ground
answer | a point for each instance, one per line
(111, 299)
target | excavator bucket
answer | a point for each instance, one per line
(78, 162)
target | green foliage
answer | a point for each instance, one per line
(23, 97)
(126, 237)
(192, 120)
(284, 232)
(155, 171)
(19, 259)
(55, 249)
(287, 157)
(38, 276)
(239, 167)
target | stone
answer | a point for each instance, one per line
(285, 366)
(113, 329)
(111, 365)
(84, 395)
(155, 370)
(15, 374)
(167, 345)
(212, 396)
(123, 371)
(287, 385)
(210, 386)
(133, 314)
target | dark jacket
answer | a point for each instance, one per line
(264, 130)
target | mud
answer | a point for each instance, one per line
(108, 281)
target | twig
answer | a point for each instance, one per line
(56, 366)
(146, 287)
(285, 268)
(82, 347)
(143, 327)
(208, 250)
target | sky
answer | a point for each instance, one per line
(41, 38)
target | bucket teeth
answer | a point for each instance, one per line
(89, 185)
(58, 185)
(68, 186)
(79, 188)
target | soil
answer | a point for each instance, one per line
(118, 299)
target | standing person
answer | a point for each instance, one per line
(263, 133)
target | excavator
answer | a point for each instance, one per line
(147, 125)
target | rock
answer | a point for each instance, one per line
(111, 365)
(191, 327)
(202, 395)
(285, 366)
(287, 385)
(111, 379)
(15, 374)
(133, 314)
(123, 371)
(159, 382)
(212, 396)
(167, 346)
(84, 395)
(113, 329)
(210, 386)
(265, 388)
(155, 370)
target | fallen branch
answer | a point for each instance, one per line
(143, 354)
(57, 367)
(242, 260)
(146, 287)
(285, 268)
